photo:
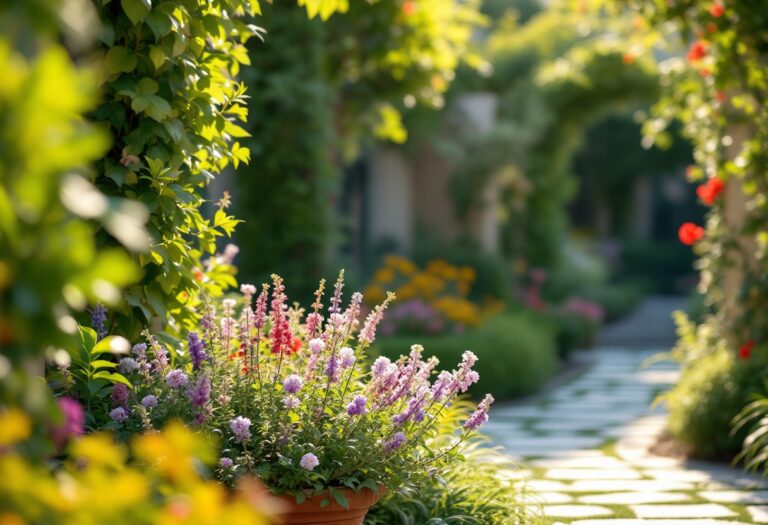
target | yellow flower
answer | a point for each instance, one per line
(15, 426)
(374, 294)
(384, 275)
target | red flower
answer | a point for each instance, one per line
(409, 8)
(628, 58)
(689, 233)
(717, 9)
(711, 27)
(745, 351)
(698, 51)
(704, 72)
(720, 96)
(710, 190)
(295, 345)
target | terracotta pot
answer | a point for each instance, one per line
(311, 513)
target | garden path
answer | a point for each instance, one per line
(586, 458)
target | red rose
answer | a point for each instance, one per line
(689, 233)
(745, 351)
(717, 9)
(710, 190)
(698, 51)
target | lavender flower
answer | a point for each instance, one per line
(309, 461)
(248, 290)
(291, 402)
(368, 333)
(226, 463)
(149, 402)
(120, 395)
(480, 415)
(260, 312)
(465, 376)
(414, 410)
(332, 368)
(357, 406)
(176, 379)
(160, 362)
(99, 320)
(347, 356)
(140, 350)
(316, 345)
(118, 414)
(127, 365)
(441, 385)
(241, 428)
(202, 391)
(380, 366)
(395, 442)
(292, 384)
(196, 350)
(336, 299)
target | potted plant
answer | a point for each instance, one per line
(295, 400)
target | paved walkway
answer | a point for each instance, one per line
(585, 451)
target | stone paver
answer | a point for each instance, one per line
(759, 513)
(587, 460)
(701, 510)
(575, 511)
(634, 498)
(735, 496)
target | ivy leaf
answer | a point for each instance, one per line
(157, 56)
(120, 59)
(136, 10)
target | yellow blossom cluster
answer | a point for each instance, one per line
(440, 284)
(97, 484)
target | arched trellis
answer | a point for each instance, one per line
(552, 83)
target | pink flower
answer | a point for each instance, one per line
(73, 421)
(309, 461)
(480, 415)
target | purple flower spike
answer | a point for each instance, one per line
(196, 350)
(202, 391)
(99, 320)
(357, 406)
(241, 428)
(176, 379)
(480, 415)
(395, 442)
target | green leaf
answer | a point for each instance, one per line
(112, 377)
(147, 86)
(87, 338)
(159, 108)
(120, 59)
(137, 10)
(114, 344)
(340, 498)
(157, 56)
(101, 363)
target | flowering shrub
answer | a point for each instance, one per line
(291, 395)
(433, 299)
